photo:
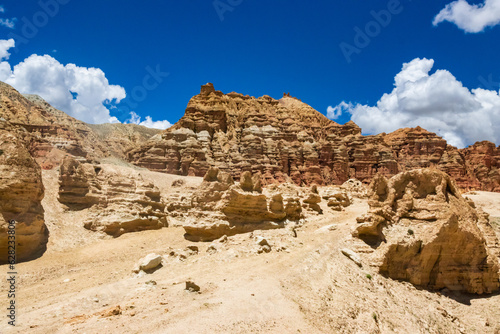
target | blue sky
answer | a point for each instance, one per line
(262, 47)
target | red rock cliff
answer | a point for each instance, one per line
(282, 139)
(287, 139)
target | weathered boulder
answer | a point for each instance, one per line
(178, 183)
(355, 188)
(337, 199)
(312, 202)
(246, 181)
(423, 231)
(353, 256)
(244, 207)
(211, 174)
(192, 287)
(220, 207)
(236, 212)
(119, 201)
(21, 193)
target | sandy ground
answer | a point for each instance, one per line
(489, 202)
(84, 282)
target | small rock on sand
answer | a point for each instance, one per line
(192, 287)
(148, 263)
(352, 255)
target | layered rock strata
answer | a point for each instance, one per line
(423, 231)
(118, 201)
(220, 207)
(282, 139)
(21, 193)
(287, 140)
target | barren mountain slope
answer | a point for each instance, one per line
(55, 134)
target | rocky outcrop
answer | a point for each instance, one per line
(483, 161)
(423, 231)
(416, 148)
(313, 200)
(337, 200)
(287, 140)
(119, 201)
(148, 263)
(473, 168)
(355, 188)
(54, 134)
(219, 207)
(21, 193)
(282, 139)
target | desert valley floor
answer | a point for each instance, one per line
(84, 282)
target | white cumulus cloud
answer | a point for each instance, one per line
(8, 23)
(55, 82)
(5, 45)
(437, 102)
(80, 92)
(337, 111)
(148, 122)
(471, 18)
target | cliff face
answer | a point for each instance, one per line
(288, 140)
(483, 161)
(283, 139)
(21, 194)
(54, 134)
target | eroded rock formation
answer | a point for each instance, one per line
(475, 167)
(423, 231)
(355, 187)
(119, 201)
(483, 161)
(21, 193)
(220, 207)
(288, 140)
(282, 139)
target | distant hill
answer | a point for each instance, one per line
(54, 134)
